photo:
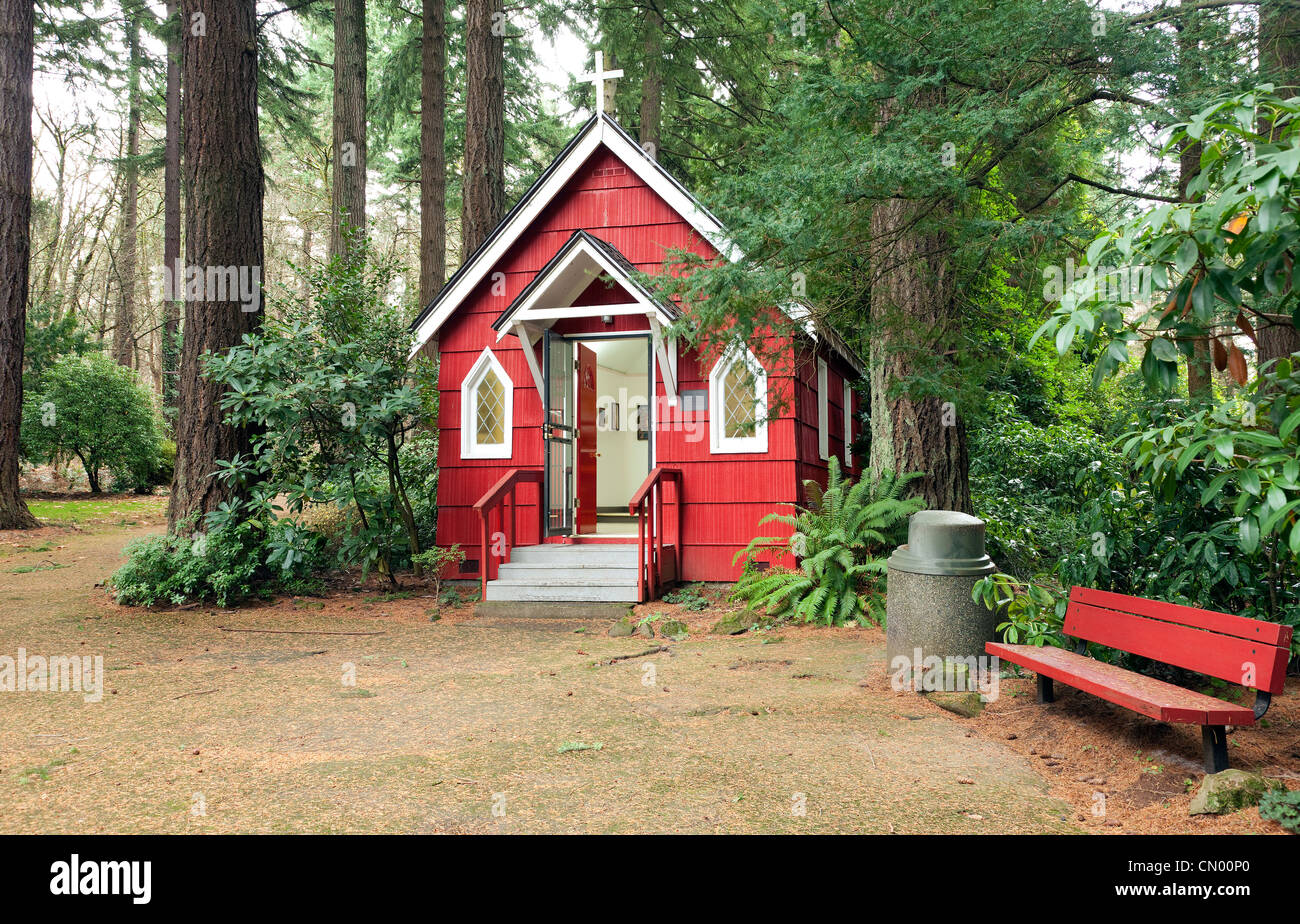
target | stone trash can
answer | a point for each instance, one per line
(928, 604)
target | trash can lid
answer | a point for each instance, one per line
(943, 542)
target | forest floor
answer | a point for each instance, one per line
(375, 716)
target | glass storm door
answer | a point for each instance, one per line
(558, 433)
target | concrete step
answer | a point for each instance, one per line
(560, 592)
(576, 555)
(545, 609)
(569, 572)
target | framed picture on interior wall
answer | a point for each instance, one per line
(602, 418)
(641, 414)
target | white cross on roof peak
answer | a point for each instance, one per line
(597, 78)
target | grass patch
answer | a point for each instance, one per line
(42, 772)
(579, 746)
(43, 566)
(390, 597)
(115, 511)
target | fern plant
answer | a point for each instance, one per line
(838, 544)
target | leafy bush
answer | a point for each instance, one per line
(1282, 806)
(96, 411)
(50, 337)
(838, 541)
(688, 598)
(1239, 463)
(331, 398)
(1020, 478)
(435, 560)
(418, 458)
(225, 566)
(1033, 614)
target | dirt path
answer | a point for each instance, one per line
(478, 725)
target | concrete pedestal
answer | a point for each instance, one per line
(934, 612)
(928, 604)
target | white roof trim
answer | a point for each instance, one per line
(538, 306)
(600, 131)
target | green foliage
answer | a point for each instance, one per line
(331, 398)
(434, 560)
(96, 411)
(838, 542)
(688, 598)
(1234, 470)
(48, 339)
(224, 566)
(1282, 806)
(1033, 615)
(1020, 473)
(1221, 258)
(418, 458)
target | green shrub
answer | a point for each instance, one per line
(225, 566)
(1282, 806)
(419, 461)
(1033, 614)
(688, 598)
(435, 560)
(330, 396)
(96, 411)
(839, 542)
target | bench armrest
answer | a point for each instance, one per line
(1262, 702)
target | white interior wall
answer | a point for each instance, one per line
(624, 460)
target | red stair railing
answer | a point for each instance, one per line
(500, 499)
(648, 506)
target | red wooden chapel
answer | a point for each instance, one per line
(584, 454)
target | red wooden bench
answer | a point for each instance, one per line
(1244, 651)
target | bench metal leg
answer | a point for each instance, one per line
(1214, 748)
(1046, 693)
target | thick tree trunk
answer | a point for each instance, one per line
(1200, 365)
(433, 155)
(1279, 63)
(17, 29)
(223, 168)
(349, 187)
(172, 211)
(652, 83)
(913, 321)
(124, 327)
(485, 134)
(1200, 369)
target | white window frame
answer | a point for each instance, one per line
(823, 410)
(470, 448)
(718, 440)
(848, 425)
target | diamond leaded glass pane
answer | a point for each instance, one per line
(739, 407)
(490, 410)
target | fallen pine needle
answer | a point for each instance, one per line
(196, 693)
(296, 631)
(639, 654)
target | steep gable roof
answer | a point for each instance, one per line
(599, 131)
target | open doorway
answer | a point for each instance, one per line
(623, 428)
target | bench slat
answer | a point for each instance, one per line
(1156, 699)
(1182, 645)
(1270, 633)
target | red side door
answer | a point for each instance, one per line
(585, 521)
